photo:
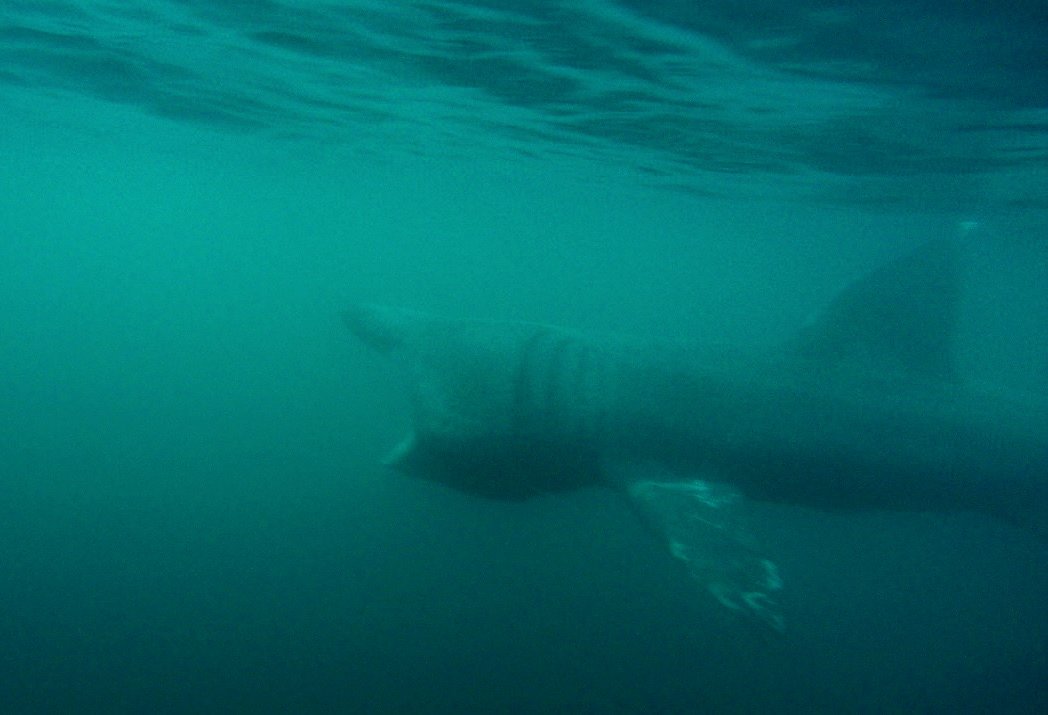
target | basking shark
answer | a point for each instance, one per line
(862, 409)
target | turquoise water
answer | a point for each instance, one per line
(193, 515)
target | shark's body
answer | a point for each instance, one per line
(862, 410)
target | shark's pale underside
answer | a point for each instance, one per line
(862, 409)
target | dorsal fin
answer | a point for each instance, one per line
(901, 317)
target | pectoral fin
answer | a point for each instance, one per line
(703, 525)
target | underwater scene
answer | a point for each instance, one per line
(523, 356)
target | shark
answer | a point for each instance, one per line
(862, 408)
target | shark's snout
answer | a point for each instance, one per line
(381, 328)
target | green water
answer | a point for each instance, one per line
(193, 514)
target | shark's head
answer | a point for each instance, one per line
(477, 391)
